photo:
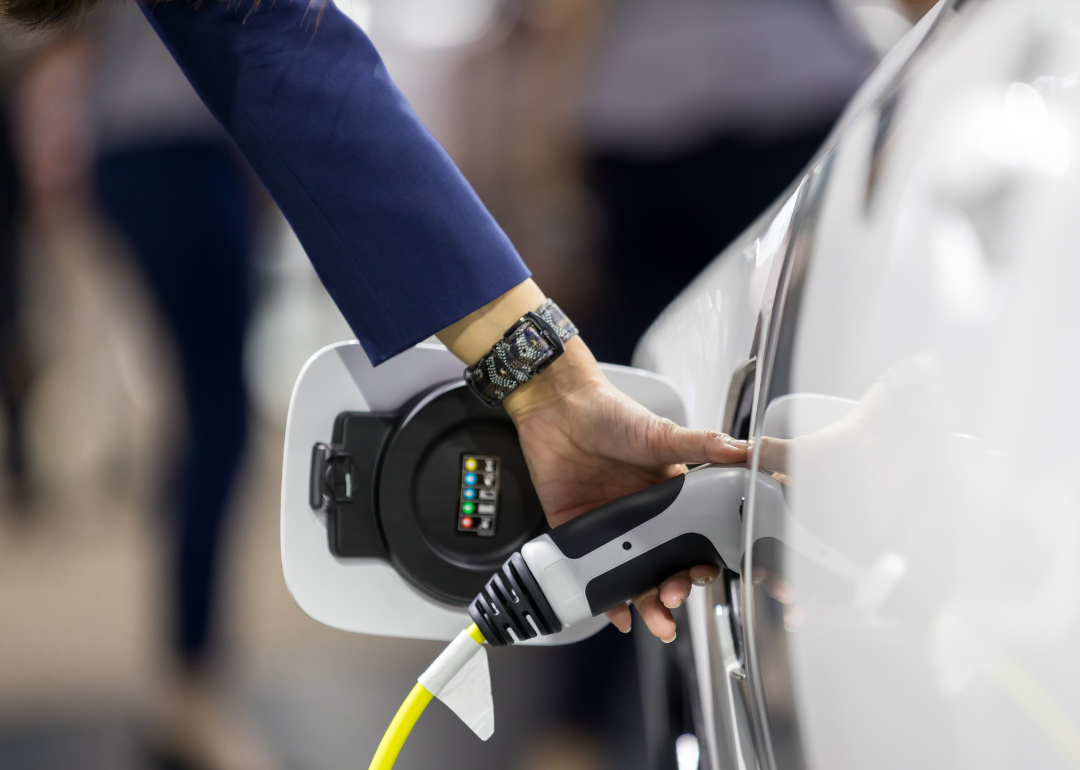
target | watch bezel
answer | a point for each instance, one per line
(545, 330)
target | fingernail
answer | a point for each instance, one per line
(674, 606)
(624, 630)
(736, 443)
(703, 581)
(668, 641)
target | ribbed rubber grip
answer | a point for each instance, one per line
(510, 600)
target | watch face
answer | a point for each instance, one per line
(478, 504)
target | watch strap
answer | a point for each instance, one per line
(527, 348)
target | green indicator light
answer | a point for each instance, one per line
(468, 508)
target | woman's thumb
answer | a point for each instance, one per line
(668, 443)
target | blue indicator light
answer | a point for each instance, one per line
(470, 494)
(470, 478)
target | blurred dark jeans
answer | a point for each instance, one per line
(186, 211)
(13, 364)
(665, 219)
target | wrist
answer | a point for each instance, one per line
(576, 369)
(471, 338)
(514, 372)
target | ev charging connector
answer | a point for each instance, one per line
(609, 555)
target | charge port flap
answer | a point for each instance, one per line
(352, 518)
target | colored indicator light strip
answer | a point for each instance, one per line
(480, 481)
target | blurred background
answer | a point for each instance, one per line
(155, 309)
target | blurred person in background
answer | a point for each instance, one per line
(14, 366)
(169, 181)
(696, 116)
(515, 108)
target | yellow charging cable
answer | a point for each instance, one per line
(400, 727)
(406, 717)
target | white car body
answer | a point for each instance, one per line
(914, 302)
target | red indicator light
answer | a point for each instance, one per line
(466, 522)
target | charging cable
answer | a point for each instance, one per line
(444, 680)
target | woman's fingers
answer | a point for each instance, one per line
(775, 454)
(704, 574)
(675, 589)
(657, 617)
(620, 617)
(655, 605)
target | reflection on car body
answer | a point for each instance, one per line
(910, 308)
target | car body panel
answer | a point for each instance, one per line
(926, 291)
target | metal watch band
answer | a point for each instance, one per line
(527, 348)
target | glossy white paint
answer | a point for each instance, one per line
(941, 260)
(702, 339)
(368, 596)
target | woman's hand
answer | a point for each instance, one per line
(587, 444)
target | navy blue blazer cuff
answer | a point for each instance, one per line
(398, 237)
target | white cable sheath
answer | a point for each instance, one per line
(449, 662)
(459, 677)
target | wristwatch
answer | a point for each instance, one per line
(527, 348)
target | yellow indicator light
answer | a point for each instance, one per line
(470, 464)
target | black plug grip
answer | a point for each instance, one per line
(583, 535)
(649, 569)
(512, 608)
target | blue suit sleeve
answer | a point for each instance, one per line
(398, 237)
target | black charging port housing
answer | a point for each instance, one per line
(391, 486)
